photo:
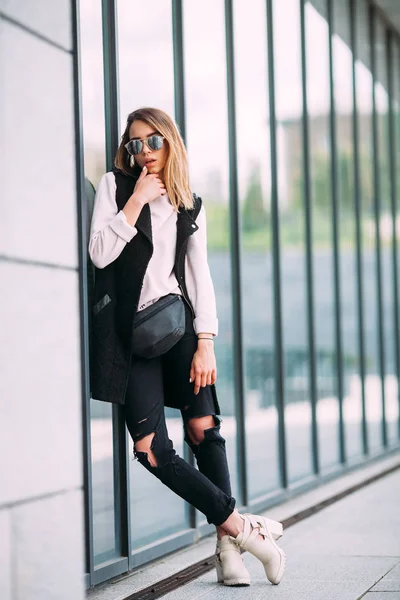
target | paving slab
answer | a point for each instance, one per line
(390, 582)
(340, 553)
(382, 596)
(330, 555)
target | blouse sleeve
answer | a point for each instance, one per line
(198, 279)
(109, 231)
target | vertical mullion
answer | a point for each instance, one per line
(179, 67)
(357, 209)
(120, 445)
(279, 364)
(111, 94)
(83, 296)
(377, 210)
(393, 197)
(335, 235)
(180, 116)
(309, 259)
(235, 250)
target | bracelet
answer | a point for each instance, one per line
(203, 338)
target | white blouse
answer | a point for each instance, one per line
(110, 232)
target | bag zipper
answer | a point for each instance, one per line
(155, 311)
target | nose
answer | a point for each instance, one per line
(146, 148)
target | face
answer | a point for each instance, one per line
(153, 159)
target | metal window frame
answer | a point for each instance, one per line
(392, 149)
(180, 117)
(235, 248)
(122, 517)
(276, 260)
(309, 253)
(335, 199)
(372, 22)
(359, 242)
(83, 293)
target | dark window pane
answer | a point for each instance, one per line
(145, 63)
(207, 141)
(317, 54)
(343, 87)
(386, 229)
(364, 85)
(256, 261)
(105, 524)
(288, 93)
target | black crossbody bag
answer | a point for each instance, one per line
(157, 328)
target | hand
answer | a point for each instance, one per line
(148, 187)
(204, 368)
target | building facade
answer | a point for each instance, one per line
(290, 110)
(290, 113)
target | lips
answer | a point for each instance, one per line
(149, 162)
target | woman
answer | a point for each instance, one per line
(148, 240)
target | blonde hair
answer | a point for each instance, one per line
(176, 170)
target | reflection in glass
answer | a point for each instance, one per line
(145, 63)
(92, 90)
(145, 57)
(207, 142)
(105, 530)
(156, 511)
(317, 53)
(103, 498)
(373, 392)
(343, 87)
(288, 93)
(256, 261)
(386, 228)
(394, 425)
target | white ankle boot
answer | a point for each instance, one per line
(265, 549)
(229, 563)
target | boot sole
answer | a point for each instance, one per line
(236, 582)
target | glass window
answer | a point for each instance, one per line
(146, 78)
(318, 86)
(92, 90)
(253, 158)
(105, 529)
(386, 229)
(207, 142)
(145, 56)
(364, 83)
(394, 432)
(343, 88)
(289, 109)
(105, 532)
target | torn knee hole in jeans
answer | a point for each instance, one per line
(148, 454)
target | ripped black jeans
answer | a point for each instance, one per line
(207, 489)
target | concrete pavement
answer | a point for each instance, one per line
(348, 551)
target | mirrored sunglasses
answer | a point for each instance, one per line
(154, 142)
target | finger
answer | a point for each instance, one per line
(191, 374)
(143, 173)
(213, 376)
(197, 384)
(204, 380)
(209, 378)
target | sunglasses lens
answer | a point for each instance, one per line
(135, 146)
(155, 142)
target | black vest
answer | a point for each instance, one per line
(117, 292)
